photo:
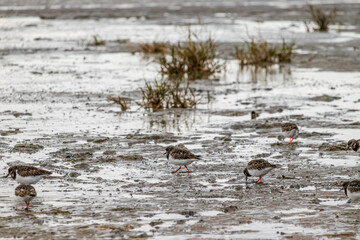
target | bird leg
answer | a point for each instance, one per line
(177, 170)
(187, 169)
(260, 179)
(27, 205)
(291, 140)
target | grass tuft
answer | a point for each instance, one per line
(321, 18)
(97, 41)
(284, 54)
(262, 53)
(122, 101)
(194, 60)
(167, 94)
(153, 48)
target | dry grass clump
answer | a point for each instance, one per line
(153, 48)
(284, 54)
(321, 18)
(192, 60)
(122, 101)
(167, 94)
(262, 53)
(97, 41)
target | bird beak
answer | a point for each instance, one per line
(165, 153)
(6, 175)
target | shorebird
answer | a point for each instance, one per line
(352, 189)
(290, 130)
(180, 157)
(26, 175)
(353, 144)
(258, 168)
(26, 192)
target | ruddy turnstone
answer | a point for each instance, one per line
(27, 192)
(353, 144)
(290, 130)
(26, 174)
(352, 189)
(258, 168)
(180, 156)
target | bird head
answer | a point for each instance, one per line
(246, 173)
(168, 149)
(11, 172)
(345, 185)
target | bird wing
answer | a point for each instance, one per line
(180, 153)
(26, 171)
(288, 127)
(259, 164)
(354, 186)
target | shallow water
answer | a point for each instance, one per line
(110, 178)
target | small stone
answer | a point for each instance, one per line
(230, 209)
(154, 223)
(74, 174)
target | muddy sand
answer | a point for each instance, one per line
(110, 175)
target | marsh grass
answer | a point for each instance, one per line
(321, 18)
(285, 53)
(191, 60)
(167, 94)
(97, 41)
(122, 101)
(153, 48)
(262, 53)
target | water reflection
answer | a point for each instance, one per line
(172, 120)
(265, 74)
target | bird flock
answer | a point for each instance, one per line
(181, 156)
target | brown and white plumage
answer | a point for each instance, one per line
(352, 189)
(26, 174)
(27, 192)
(289, 130)
(254, 115)
(180, 156)
(258, 168)
(353, 144)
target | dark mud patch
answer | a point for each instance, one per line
(324, 98)
(98, 140)
(74, 154)
(16, 114)
(230, 209)
(333, 147)
(148, 138)
(109, 152)
(261, 155)
(314, 134)
(131, 157)
(10, 132)
(232, 113)
(156, 222)
(29, 148)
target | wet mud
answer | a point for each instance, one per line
(110, 175)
